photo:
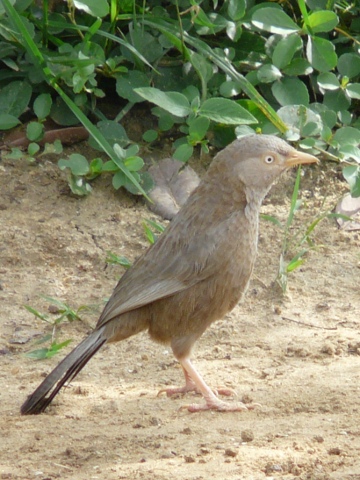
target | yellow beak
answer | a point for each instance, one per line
(299, 158)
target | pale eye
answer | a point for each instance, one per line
(269, 159)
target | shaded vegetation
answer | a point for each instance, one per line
(211, 70)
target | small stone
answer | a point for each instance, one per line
(186, 431)
(189, 459)
(53, 309)
(246, 398)
(204, 451)
(334, 451)
(318, 438)
(328, 349)
(277, 310)
(231, 452)
(247, 435)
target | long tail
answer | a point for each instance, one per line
(65, 371)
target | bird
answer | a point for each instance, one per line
(195, 273)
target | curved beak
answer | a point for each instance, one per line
(299, 158)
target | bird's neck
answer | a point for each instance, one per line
(254, 199)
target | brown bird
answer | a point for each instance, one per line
(195, 273)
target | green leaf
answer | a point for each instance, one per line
(353, 90)
(96, 166)
(173, 102)
(15, 97)
(79, 186)
(113, 132)
(2, 10)
(328, 81)
(34, 131)
(352, 176)
(286, 49)
(230, 89)
(114, 259)
(336, 100)
(329, 118)
(96, 8)
(150, 135)
(42, 353)
(293, 264)
(236, 9)
(297, 117)
(42, 105)
(202, 67)
(144, 180)
(271, 218)
(110, 166)
(77, 163)
(198, 128)
(347, 136)
(234, 31)
(349, 64)
(8, 121)
(119, 180)
(33, 148)
(53, 148)
(183, 152)
(298, 66)
(290, 91)
(322, 21)
(127, 83)
(134, 163)
(62, 114)
(225, 111)
(37, 313)
(350, 151)
(321, 54)
(274, 20)
(268, 73)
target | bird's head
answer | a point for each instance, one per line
(258, 160)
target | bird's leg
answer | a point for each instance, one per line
(190, 386)
(212, 401)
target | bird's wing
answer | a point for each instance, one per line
(163, 272)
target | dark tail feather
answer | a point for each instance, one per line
(65, 371)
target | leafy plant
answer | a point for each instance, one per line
(152, 230)
(296, 244)
(114, 259)
(65, 313)
(81, 171)
(212, 70)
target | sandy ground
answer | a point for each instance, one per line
(110, 424)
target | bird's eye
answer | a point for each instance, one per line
(269, 159)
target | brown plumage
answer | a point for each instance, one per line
(195, 273)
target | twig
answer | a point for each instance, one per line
(308, 324)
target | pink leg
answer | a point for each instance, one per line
(190, 386)
(212, 401)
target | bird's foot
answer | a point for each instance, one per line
(178, 390)
(191, 387)
(220, 406)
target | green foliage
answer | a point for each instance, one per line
(152, 230)
(114, 259)
(64, 313)
(296, 242)
(212, 70)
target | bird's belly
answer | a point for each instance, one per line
(191, 311)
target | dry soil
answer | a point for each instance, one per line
(297, 354)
